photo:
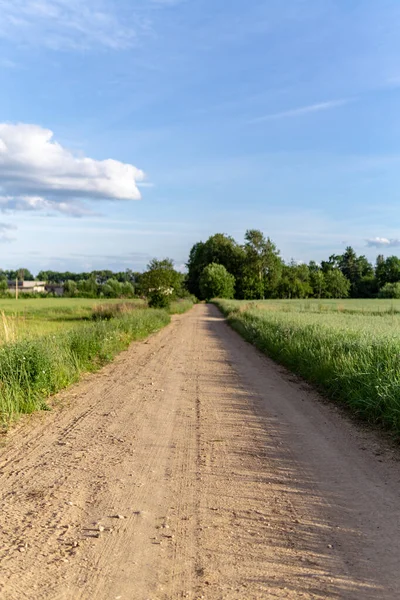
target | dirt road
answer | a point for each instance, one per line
(193, 467)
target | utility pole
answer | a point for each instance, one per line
(16, 288)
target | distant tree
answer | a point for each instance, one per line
(332, 263)
(387, 270)
(161, 279)
(25, 275)
(367, 287)
(70, 288)
(337, 285)
(3, 286)
(262, 267)
(22, 274)
(127, 290)
(317, 280)
(250, 286)
(216, 282)
(112, 288)
(354, 269)
(61, 277)
(295, 281)
(380, 270)
(102, 276)
(159, 299)
(88, 288)
(256, 249)
(220, 249)
(390, 290)
(195, 266)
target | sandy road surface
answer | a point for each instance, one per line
(233, 480)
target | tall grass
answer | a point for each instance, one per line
(31, 370)
(101, 312)
(108, 311)
(353, 359)
(181, 306)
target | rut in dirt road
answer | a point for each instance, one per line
(193, 467)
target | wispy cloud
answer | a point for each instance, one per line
(303, 110)
(383, 242)
(67, 24)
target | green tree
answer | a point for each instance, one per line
(380, 270)
(368, 287)
(262, 268)
(127, 289)
(354, 269)
(220, 249)
(387, 270)
(88, 288)
(161, 278)
(112, 288)
(22, 274)
(332, 263)
(3, 286)
(295, 281)
(102, 276)
(195, 266)
(337, 285)
(390, 290)
(317, 280)
(70, 288)
(216, 282)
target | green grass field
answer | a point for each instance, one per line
(350, 349)
(353, 306)
(31, 317)
(45, 344)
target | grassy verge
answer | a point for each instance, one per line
(353, 359)
(57, 308)
(178, 307)
(109, 311)
(31, 370)
(27, 318)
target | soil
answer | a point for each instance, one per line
(194, 467)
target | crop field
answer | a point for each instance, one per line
(350, 349)
(45, 344)
(30, 317)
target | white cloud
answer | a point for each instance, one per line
(67, 23)
(37, 173)
(37, 203)
(303, 110)
(383, 242)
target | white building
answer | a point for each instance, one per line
(27, 286)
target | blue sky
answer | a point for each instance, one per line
(218, 116)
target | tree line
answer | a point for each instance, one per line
(94, 284)
(222, 267)
(255, 270)
(160, 283)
